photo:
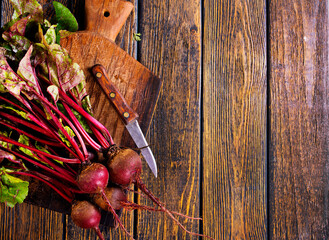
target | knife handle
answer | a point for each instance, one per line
(127, 114)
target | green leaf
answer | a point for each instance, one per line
(27, 7)
(8, 79)
(137, 36)
(65, 74)
(26, 141)
(64, 18)
(5, 144)
(51, 35)
(6, 155)
(70, 133)
(27, 72)
(19, 112)
(16, 27)
(53, 91)
(12, 190)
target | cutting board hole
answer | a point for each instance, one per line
(106, 14)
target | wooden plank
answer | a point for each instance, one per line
(29, 222)
(171, 48)
(299, 153)
(234, 120)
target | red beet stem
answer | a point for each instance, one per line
(66, 160)
(91, 141)
(56, 110)
(60, 192)
(31, 136)
(132, 206)
(85, 114)
(25, 123)
(144, 189)
(99, 234)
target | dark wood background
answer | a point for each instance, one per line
(241, 129)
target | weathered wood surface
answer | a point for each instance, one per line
(234, 120)
(299, 137)
(241, 127)
(171, 48)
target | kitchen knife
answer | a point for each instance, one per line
(127, 114)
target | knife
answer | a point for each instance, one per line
(127, 114)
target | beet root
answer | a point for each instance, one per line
(124, 167)
(93, 178)
(86, 215)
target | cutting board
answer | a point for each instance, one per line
(139, 86)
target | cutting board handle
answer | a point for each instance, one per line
(106, 17)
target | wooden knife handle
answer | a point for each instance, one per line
(126, 113)
(106, 17)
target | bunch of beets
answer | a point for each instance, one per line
(47, 129)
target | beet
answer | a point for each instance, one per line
(86, 215)
(93, 178)
(115, 196)
(124, 167)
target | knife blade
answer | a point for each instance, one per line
(127, 114)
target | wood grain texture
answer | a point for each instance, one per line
(171, 48)
(234, 120)
(299, 88)
(30, 222)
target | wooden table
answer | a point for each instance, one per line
(241, 129)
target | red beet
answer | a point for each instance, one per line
(86, 215)
(125, 166)
(115, 196)
(93, 178)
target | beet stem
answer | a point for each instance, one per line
(83, 155)
(105, 144)
(67, 198)
(143, 187)
(132, 206)
(55, 109)
(31, 136)
(91, 141)
(25, 123)
(91, 119)
(57, 171)
(53, 131)
(99, 234)
(9, 140)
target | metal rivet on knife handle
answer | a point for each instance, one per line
(126, 113)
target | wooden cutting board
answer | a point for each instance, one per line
(139, 86)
